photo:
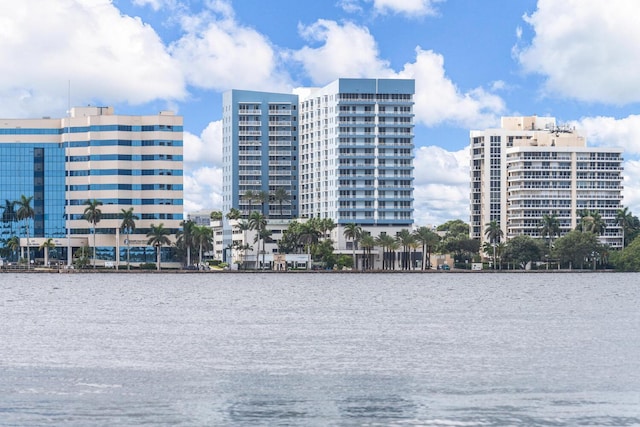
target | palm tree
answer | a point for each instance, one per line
(244, 226)
(25, 212)
(93, 214)
(385, 241)
(46, 245)
(233, 214)
(250, 196)
(14, 243)
(393, 247)
(258, 222)
(624, 218)
(354, 232)
(203, 237)
(550, 227)
(308, 236)
(128, 225)
(185, 237)
(215, 216)
(405, 239)
(263, 198)
(326, 225)
(158, 237)
(494, 233)
(591, 221)
(367, 242)
(280, 196)
(428, 239)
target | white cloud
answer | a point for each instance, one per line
(441, 185)
(347, 50)
(203, 189)
(218, 53)
(108, 57)
(622, 133)
(438, 99)
(405, 7)
(612, 132)
(206, 148)
(350, 6)
(588, 51)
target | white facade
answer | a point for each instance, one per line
(530, 167)
(357, 151)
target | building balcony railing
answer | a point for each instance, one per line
(280, 133)
(280, 123)
(249, 123)
(250, 163)
(280, 163)
(249, 133)
(252, 112)
(280, 143)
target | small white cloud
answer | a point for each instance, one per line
(350, 6)
(405, 7)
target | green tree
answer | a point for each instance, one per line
(215, 216)
(455, 228)
(281, 195)
(258, 222)
(46, 245)
(522, 250)
(93, 215)
(592, 222)
(494, 233)
(550, 228)
(233, 214)
(385, 242)
(405, 239)
(14, 244)
(244, 226)
(628, 259)
(203, 238)
(367, 242)
(185, 238)
(353, 232)
(128, 226)
(575, 247)
(158, 236)
(25, 213)
(624, 219)
(428, 239)
(263, 197)
(250, 196)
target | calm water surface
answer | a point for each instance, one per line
(320, 349)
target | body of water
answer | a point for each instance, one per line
(286, 349)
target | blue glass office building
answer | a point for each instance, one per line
(123, 161)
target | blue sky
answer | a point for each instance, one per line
(473, 61)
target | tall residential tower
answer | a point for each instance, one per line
(356, 152)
